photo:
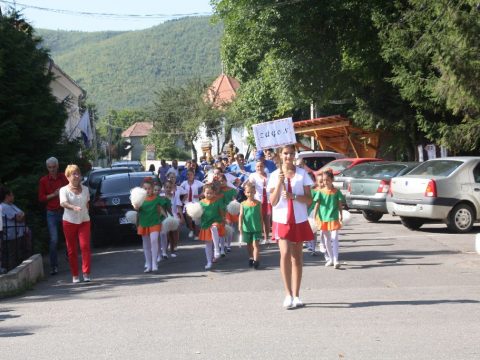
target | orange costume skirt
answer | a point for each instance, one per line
(206, 234)
(149, 229)
(231, 218)
(330, 225)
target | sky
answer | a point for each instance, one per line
(55, 20)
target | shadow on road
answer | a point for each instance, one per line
(390, 303)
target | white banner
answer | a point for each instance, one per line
(273, 134)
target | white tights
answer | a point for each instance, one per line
(209, 251)
(216, 241)
(163, 243)
(150, 249)
(331, 244)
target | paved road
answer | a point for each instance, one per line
(399, 295)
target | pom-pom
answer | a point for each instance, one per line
(137, 196)
(313, 224)
(347, 217)
(170, 224)
(233, 207)
(194, 210)
(228, 230)
(131, 216)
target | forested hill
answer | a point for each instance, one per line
(124, 69)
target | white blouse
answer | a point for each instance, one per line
(81, 200)
(279, 211)
(259, 183)
(196, 186)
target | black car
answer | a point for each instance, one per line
(135, 165)
(110, 203)
(93, 178)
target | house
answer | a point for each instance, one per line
(135, 135)
(67, 91)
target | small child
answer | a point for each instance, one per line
(229, 194)
(176, 210)
(250, 225)
(329, 207)
(211, 227)
(150, 216)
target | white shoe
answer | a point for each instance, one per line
(190, 234)
(216, 255)
(322, 248)
(147, 270)
(287, 303)
(86, 278)
(173, 255)
(297, 302)
(208, 266)
(336, 265)
(154, 268)
(75, 280)
(329, 263)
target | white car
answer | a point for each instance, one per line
(314, 160)
(445, 189)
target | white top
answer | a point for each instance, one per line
(259, 183)
(279, 211)
(196, 185)
(176, 202)
(81, 200)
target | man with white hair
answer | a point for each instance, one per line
(48, 190)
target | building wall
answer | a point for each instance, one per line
(137, 150)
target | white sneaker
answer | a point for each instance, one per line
(216, 255)
(287, 303)
(297, 302)
(147, 270)
(190, 234)
(75, 280)
(336, 265)
(154, 268)
(329, 263)
(173, 255)
(86, 278)
(208, 266)
(322, 248)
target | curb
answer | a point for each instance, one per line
(22, 277)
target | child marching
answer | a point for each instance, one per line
(229, 194)
(329, 208)
(211, 227)
(250, 225)
(260, 179)
(192, 188)
(150, 216)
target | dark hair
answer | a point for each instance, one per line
(208, 186)
(4, 191)
(152, 167)
(329, 174)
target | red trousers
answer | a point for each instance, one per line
(82, 233)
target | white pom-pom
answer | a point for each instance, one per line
(131, 216)
(313, 224)
(228, 230)
(170, 224)
(137, 196)
(234, 207)
(347, 217)
(194, 210)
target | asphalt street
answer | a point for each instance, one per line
(398, 295)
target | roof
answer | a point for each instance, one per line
(141, 128)
(336, 133)
(223, 90)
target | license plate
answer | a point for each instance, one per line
(123, 220)
(401, 207)
(360, 202)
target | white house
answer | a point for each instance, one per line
(66, 90)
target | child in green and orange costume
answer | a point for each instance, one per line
(250, 225)
(211, 224)
(329, 207)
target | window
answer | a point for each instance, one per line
(476, 173)
(436, 168)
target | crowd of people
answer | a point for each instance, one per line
(275, 197)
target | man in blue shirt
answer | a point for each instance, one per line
(260, 156)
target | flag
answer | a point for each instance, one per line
(85, 128)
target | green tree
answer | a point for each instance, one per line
(178, 114)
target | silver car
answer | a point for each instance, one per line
(445, 189)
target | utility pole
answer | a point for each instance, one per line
(313, 115)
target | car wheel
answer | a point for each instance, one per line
(372, 216)
(411, 222)
(461, 218)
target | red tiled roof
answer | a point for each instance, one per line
(142, 128)
(223, 90)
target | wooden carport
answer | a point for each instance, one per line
(336, 133)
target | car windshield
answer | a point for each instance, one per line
(385, 171)
(95, 177)
(316, 163)
(356, 171)
(436, 168)
(338, 165)
(120, 185)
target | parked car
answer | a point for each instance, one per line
(445, 189)
(314, 160)
(111, 202)
(342, 180)
(93, 178)
(340, 165)
(135, 165)
(369, 193)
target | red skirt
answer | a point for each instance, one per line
(293, 232)
(266, 209)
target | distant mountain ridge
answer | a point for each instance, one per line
(123, 69)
